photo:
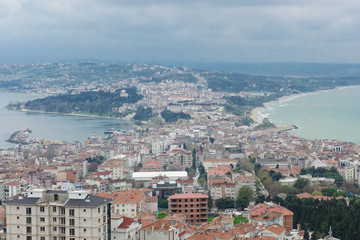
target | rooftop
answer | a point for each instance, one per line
(188, 195)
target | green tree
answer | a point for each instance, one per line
(245, 192)
(301, 183)
(163, 203)
(143, 114)
(225, 203)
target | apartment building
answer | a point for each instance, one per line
(163, 230)
(193, 205)
(223, 190)
(58, 215)
(131, 202)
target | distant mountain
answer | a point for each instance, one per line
(286, 69)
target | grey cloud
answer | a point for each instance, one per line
(186, 30)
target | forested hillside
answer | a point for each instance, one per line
(96, 103)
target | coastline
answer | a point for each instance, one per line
(255, 112)
(74, 114)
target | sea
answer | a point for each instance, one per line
(329, 114)
(49, 126)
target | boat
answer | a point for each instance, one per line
(111, 131)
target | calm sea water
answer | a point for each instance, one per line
(331, 114)
(50, 126)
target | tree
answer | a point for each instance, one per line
(143, 113)
(301, 183)
(191, 172)
(163, 203)
(242, 203)
(306, 235)
(224, 203)
(194, 158)
(245, 192)
(202, 182)
(328, 192)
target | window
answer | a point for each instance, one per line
(99, 229)
(28, 230)
(18, 226)
(71, 222)
(42, 219)
(42, 229)
(17, 217)
(98, 209)
(28, 211)
(42, 209)
(62, 210)
(84, 210)
(84, 229)
(104, 209)
(62, 220)
(17, 208)
(42, 238)
(72, 231)
(71, 212)
(54, 219)
(54, 238)
(84, 220)
(54, 229)
(56, 197)
(54, 208)
(72, 239)
(62, 230)
(98, 219)
(28, 237)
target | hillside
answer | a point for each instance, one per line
(94, 103)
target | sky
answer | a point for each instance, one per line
(169, 31)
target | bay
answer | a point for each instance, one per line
(330, 114)
(50, 126)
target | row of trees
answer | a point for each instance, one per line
(343, 217)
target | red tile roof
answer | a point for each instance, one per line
(126, 222)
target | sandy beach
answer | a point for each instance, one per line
(282, 128)
(255, 112)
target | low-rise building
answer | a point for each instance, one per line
(124, 228)
(162, 230)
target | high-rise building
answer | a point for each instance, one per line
(58, 215)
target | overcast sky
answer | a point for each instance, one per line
(180, 31)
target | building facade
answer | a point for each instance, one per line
(58, 215)
(193, 205)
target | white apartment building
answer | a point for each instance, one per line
(124, 228)
(58, 215)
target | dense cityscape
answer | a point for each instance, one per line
(191, 168)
